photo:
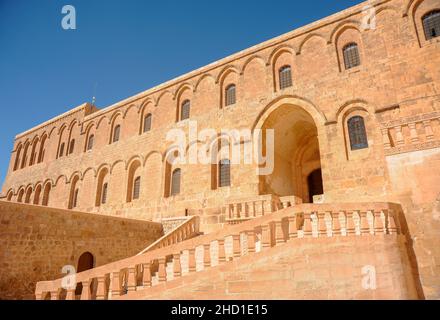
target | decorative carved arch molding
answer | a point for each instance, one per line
(357, 108)
(281, 56)
(309, 37)
(343, 34)
(229, 75)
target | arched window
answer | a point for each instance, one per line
(351, 56)
(10, 195)
(37, 194)
(431, 24)
(285, 76)
(20, 196)
(72, 146)
(357, 133)
(28, 196)
(175, 182)
(104, 193)
(185, 110)
(90, 142)
(42, 150)
(61, 150)
(230, 95)
(75, 198)
(136, 188)
(46, 194)
(147, 123)
(116, 133)
(17, 158)
(224, 173)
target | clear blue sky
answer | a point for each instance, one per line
(125, 47)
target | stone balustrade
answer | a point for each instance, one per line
(411, 133)
(244, 209)
(120, 278)
(190, 228)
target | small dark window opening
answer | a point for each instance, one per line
(61, 150)
(285, 75)
(357, 133)
(72, 146)
(230, 95)
(351, 56)
(224, 173)
(90, 142)
(431, 24)
(185, 110)
(116, 133)
(75, 198)
(136, 188)
(147, 123)
(175, 182)
(104, 193)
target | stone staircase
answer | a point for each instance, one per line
(172, 261)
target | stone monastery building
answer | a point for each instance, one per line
(354, 102)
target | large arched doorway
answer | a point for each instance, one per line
(297, 159)
(85, 262)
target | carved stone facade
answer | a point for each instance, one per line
(361, 134)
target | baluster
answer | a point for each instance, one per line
(116, 284)
(101, 291)
(307, 227)
(131, 279)
(322, 228)
(86, 294)
(378, 222)
(146, 274)
(206, 255)
(399, 136)
(40, 295)
(162, 269)
(386, 138)
(392, 227)
(343, 215)
(428, 130)
(55, 294)
(236, 249)
(293, 226)
(177, 268)
(192, 260)
(336, 224)
(364, 225)
(351, 228)
(250, 240)
(221, 251)
(279, 234)
(70, 294)
(413, 132)
(266, 237)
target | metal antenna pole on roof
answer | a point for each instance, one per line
(94, 94)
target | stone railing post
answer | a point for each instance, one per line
(146, 274)
(131, 279)
(206, 255)
(279, 234)
(250, 240)
(116, 284)
(221, 251)
(293, 226)
(378, 222)
(236, 248)
(192, 260)
(177, 268)
(101, 291)
(266, 237)
(86, 294)
(162, 273)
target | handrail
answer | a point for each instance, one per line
(188, 229)
(303, 221)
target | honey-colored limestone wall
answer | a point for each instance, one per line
(395, 89)
(333, 268)
(37, 242)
